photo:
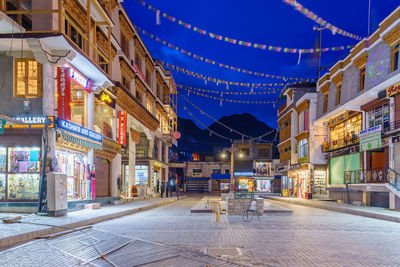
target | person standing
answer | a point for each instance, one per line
(162, 189)
(166, 188)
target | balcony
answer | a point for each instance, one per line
(370, 176)
(142, 153)
(282, 107)
(341, 143)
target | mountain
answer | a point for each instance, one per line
(194, 139)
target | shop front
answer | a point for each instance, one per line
(142, 178)
(157, 176)
(282, 170)
(20, 156)
(74, 144)
(344, 130)
(319, 182)
(300, 177)
(264, 179)
(244, 182)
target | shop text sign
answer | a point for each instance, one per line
(392, 90)
(72, 127)
(370, 138)
(33, 122)
(2, 125)
(122, 121)
(64, 93)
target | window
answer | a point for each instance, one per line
(125, 45)
(149, 106)
(395, 57)
(245, 151)
(378, 116)
(28, 78)
(137, 62)
(103, 118)
(139, 96)
(158, 117)
(362, 78)
(196, 172)
(74, 34)
(325, 102)
(303, 148)
(148, 77)
(264, 152)
(338, 93)
(103, 64)
(216, 171)
(126, 83)
(227, 171)
(303, 121)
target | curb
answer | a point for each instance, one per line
(340, 209)
(13, 240)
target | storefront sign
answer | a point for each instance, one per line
(80, 80)
(339, 119)
(106, 98)
(370, 138)
(2, 125)
(303, 159)
(243, 173)
(122, 121)
(157, 164)
(392, 90)
(295, 166)
(72, 127)
(33, 122)
(64, 93)
(176, 135)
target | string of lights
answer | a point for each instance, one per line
(221, 65)
(270, 91)
(219, 81)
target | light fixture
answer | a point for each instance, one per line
(241, 155)
(223, 155)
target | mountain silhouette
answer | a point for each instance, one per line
(195, 139)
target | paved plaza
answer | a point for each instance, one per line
(306, 237)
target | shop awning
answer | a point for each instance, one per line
(80, 141)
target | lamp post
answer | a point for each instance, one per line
(232, 150)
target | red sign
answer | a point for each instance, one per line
(122, 122)
(176, 135)
(64, 93)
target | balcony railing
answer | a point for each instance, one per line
(390, 126)
(341, 143)
(367, 176)
(142, 153)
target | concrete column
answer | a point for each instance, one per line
(159, 146)
(366, 198)
(116, 172)
(394, 201)
(90, 111)
(391, 121)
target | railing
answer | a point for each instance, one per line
(363, 176)
(142, 153)
(282, 107)
(393, 178)
(390, 126)
(340, 143)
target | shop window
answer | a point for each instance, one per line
(74, 33)
(124, 44)
(325, 103)
(126, 82)
(216, 171)
(362, 78)
(338, 94)
(149, 106)
(28, 78)
(196, 172)
(303, 148)
(378, 116)
(227, 171)
(103, 118)
(395, 57)
(141, 174)
(345, 133)
(74, 166)
(22, 172)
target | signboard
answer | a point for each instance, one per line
(243, 173)
(64, 93)
(224, 186)
(2, 125)
(122, 121)
(141, 174)
(370, 138)
(80, 80)
(106, 98)
(74, 128)
(392, 90)
(33, 122)
(295, 166)
(157, 164)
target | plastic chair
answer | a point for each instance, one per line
(253, 209)
(217, 210)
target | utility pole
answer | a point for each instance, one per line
(320, 29)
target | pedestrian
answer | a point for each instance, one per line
(162, 189)
(166, 188)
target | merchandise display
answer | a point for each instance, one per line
(2, 186)
(23, 186)
(22, 160)
(3, 159)
(79, 177)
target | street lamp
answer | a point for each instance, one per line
(223, 155)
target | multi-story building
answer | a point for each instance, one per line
(83, 84)
(253, 167)
(297, 153)
(357, 105)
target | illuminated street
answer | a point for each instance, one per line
(308, 237)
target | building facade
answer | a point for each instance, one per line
(83, 85)
(357, 106)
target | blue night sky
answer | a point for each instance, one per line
(269, 22)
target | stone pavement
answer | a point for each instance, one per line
(306, 237)
(366, 211)
(33, 226)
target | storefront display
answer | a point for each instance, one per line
(263, 169)
(23, 186)
(319, 182)
(141, 174)
(79, 181)
(264, 185)
(103, 118)
(284, 186)
(2, 186)
(245, 184)
(378, 116)
(346, 132)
